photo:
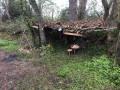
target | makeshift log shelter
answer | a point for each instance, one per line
(75, 29)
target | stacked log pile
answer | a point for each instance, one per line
(80, 27)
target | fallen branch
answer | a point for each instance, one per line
(17, 32)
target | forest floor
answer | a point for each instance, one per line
(89, 69)
(15, 74)
(10, 69)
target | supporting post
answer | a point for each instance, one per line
(39, 36)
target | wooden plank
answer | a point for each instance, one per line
(72, 34)
(35, 27)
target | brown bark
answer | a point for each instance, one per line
(113, 15)
(106, 9)
(73, 10)
(82, 8)
(0, 14)
(40, 21)
(118, 50)
(118, 26)
(114, 10)
(106, 6)
(7, 10)
(0, 19)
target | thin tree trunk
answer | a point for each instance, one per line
(0, 19)
(114, 10)
(82, 8)
(118, 48)
(0, 13)
(106, 9)
(113, 14)
(7, 10)
(73, 10)
(40, 21)
(106, 6)
(118, 26)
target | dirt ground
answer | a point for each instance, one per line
(12, 73)
(9, 71)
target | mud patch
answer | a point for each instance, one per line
(10, 58)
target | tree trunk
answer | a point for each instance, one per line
(114, 10)
(73, 10)
(82, 8)
(118, 48)
(7, 10)
(40, 21)
(113, 15)
(106, 6)
(0, 19)
(118, 26)
(0, 14)
(106, 9)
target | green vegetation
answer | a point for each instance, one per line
(95, 74)
(51, 68)
(8, 45)
(114, 33)
(13, 46)
(90, 68)
(16, 25)
(64, 15)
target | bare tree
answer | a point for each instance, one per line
(7, 10)
(114, 10)
(113, 14)
(73, 10)
(82, 8)
(106, 6)
(40, 21)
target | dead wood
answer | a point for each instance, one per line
(17, 32)
(79, 27)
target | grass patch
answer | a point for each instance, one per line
(97, 74)
(8, 45)
(90, 69)
(33, 81)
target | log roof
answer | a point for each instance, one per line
(78, 28)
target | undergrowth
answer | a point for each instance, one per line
(89, 69)
(12, 46)
(15, 25)
(98, 74)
